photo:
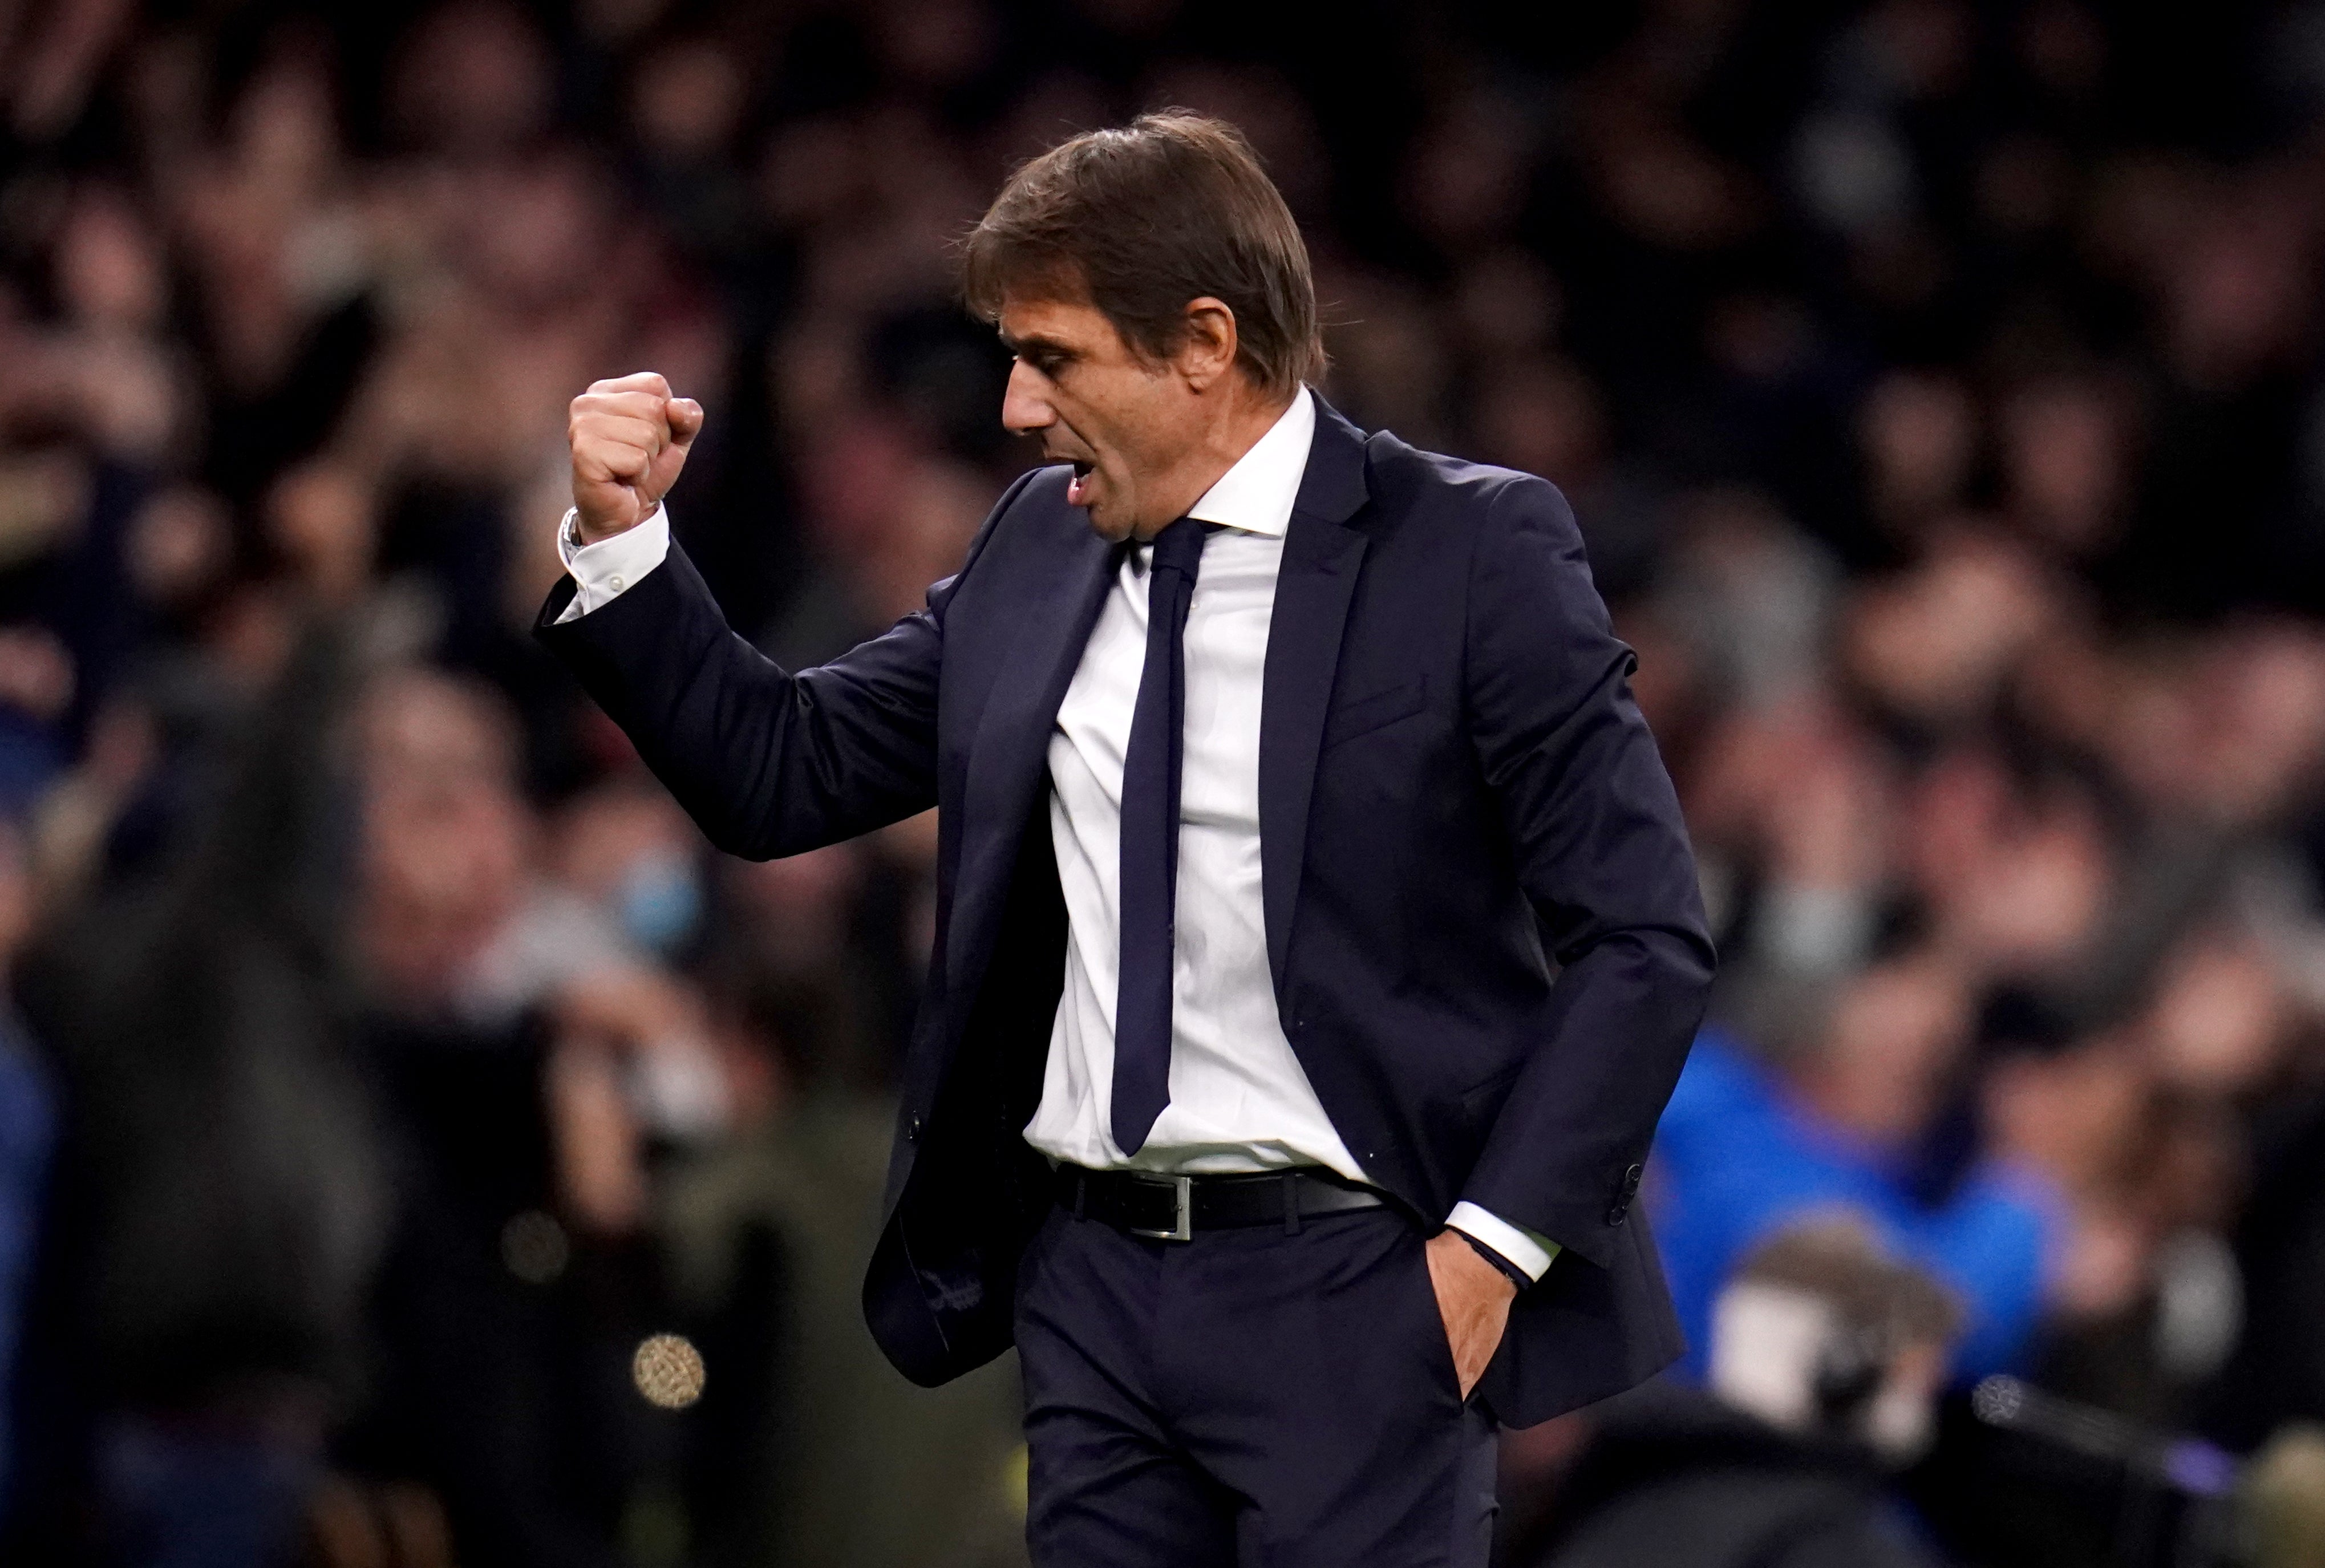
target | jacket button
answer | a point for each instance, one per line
(1627, 1189)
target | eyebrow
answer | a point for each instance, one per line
(1036, 344)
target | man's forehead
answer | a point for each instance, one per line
(1028, 318)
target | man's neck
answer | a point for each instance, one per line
(1233, 433)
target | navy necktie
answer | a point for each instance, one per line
(1150, 841)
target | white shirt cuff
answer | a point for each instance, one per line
(604, 571)
(1530, 1252)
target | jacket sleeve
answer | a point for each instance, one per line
(1602, 855)
(767, 762)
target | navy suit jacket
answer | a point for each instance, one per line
(1482, 917)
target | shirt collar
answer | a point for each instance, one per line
(1256, 494)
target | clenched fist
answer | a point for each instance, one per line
(629, 438)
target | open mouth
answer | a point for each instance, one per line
(1078, 488)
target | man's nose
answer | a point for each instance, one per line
(1023, 408)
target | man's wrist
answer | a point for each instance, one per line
(604, 570)
(577, 525)
(1514, 1244)
(1518, 1277)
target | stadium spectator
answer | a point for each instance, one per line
(1826, 1355)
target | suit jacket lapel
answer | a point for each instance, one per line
(1008, 757)
(1321, 554)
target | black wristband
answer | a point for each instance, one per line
(1510, 1271)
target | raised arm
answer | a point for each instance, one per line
(767, 762)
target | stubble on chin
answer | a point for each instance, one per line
(1105, 522)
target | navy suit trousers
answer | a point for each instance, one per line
(1253, 1396)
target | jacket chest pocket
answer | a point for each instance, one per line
(1374, 711)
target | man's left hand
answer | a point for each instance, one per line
(1474, 1299)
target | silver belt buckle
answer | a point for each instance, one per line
(1183, 1193)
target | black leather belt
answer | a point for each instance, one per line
(1174, 1207)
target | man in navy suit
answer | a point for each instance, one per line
(1317, 935)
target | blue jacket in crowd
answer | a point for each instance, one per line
(27, 1135)
(1736, 1159)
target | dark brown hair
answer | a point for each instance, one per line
(1141, 220)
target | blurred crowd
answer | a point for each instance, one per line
(1940, 389)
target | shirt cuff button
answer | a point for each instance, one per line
(617, 584)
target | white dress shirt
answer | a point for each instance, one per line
(1239, 1099)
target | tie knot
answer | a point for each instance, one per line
(1180, 545)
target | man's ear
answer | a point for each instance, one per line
(1207, 350)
